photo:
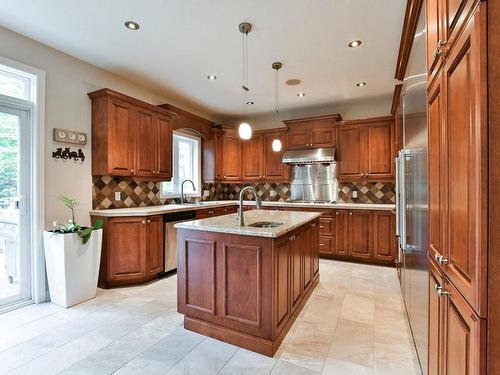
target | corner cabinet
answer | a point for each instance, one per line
(366, 150)
(132, 250)
(231, 158)
(130, 138)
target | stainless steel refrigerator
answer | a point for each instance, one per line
(412, 193)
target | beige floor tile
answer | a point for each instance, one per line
(353, 342)
(339, 367)
(245, 362)
(286, 368)
(207, 358)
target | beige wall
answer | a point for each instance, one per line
(350, 110)
(67, 82)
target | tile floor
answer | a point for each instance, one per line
(352, 324)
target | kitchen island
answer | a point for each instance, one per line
(247, 285)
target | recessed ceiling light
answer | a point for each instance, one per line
(131, 25)
(354, 43)
(293, 82)
(250, 103)
(361, 84)
(212, 77)
(301, 94)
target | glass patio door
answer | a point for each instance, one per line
(15, 249)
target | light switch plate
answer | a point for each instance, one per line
(206, 193)
(118, 196)
(354, 194)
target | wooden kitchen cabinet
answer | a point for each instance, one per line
(379, 150)
(365, 235)
(231, 158)
(312, 132)
(366, 150)
(455, 330)
(130, 138)
(212, 157)
(437, 159)
(384, 234)
(132, 250)
(164, 153)
(436, 321)
(260, 162)
(360, 234)
(215, 211)
(466, 128)
(350, 153)
(253, 159)
(273, 168)
(296, 283)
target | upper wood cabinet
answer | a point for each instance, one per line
(444, 21)
(312, 132)
(366, 150)
(261, 162)
(212, 157)
(253, 159)
(274, 170)
(130, 137)
(231, 158)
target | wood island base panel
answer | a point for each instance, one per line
(246, 290)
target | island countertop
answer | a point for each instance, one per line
(229, 223)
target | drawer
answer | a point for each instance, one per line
(326, 245)
(327, 226)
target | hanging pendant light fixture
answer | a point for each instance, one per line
(276, 144)
(245, 130)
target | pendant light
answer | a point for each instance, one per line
(276, 144)
(245, 130)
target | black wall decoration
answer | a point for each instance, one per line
(68, 154)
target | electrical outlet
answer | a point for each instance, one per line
(272, 193)
(354, 194)
(118, 196)
(206, 193)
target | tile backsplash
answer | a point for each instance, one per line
(136, 193)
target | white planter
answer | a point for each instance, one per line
(72, 268)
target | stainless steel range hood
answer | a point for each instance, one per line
(311, 156)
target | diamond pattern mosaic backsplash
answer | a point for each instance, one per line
(136, 193)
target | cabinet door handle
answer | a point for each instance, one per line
(441, 292)
(321, 226)
(443, 260)
(437, 258)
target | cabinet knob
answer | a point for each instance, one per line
(132, 170)
(441, 292)
(149, 221)
(350, 213)
(444, 260)
(336, 213)
(144, 221)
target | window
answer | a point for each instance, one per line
(186, 166)
(16, 84)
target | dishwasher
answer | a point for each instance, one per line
(170, 234)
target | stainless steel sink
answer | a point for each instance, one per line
(265, 224)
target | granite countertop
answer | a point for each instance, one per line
(162, 209)
(229, 223)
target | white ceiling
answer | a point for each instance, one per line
(180, 42)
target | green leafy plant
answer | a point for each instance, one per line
(71, 226)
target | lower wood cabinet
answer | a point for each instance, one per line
(456, 333)
(132, 250)
(358, 234)
(218, 211)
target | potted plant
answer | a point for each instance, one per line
(72, 256)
